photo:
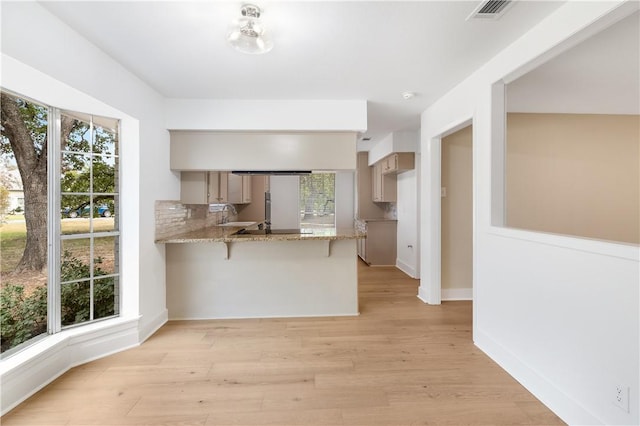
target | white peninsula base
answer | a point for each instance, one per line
(262, 279)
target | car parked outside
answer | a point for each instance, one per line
(101, 210)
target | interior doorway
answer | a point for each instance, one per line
(456, 215)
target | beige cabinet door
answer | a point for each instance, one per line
(218, 187)
(193, 187)
(398, 162)
(246, 189)
(380, 245)
(239, 189)
(383, 186)
(390, 163)
(376, 182)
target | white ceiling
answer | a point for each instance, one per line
(323, 49)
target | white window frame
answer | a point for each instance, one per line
(54, 234)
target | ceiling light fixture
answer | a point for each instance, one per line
(408, 95)
(248, 34)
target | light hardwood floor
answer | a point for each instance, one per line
(400, 362)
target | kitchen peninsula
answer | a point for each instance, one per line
(211, 272)
(214, 272)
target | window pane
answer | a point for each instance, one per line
(317, 200)
(74, 211)
(105, 222)
(105, 298)
(75, 173)
(75, 302)
(105, 140)
(23, 201)
(104, 181)
(75, 255)
(92, 262)
(76, 135)
(105, 256)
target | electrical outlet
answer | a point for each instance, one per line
(443, 192)
(621, 397)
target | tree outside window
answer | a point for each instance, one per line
(82, 211)
(317, 200)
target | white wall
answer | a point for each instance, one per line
(381, 149)
(69, 72)
(266, 115)
(408, 237)
(560, 314)
(405, 141)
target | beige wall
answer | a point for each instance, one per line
(254, 211)
(457, 208)
(574, 174)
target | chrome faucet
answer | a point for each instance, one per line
(225, 208)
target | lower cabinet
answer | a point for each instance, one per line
(379, 248)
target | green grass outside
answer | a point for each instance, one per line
(13, 239)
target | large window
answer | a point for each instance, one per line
(317, 200)
(60, 263)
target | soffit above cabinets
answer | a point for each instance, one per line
(329, 151)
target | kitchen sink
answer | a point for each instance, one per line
(240, 224)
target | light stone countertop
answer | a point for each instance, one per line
(224, 234)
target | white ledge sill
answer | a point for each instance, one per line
(617, 249)
(62, 339)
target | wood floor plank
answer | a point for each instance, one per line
(399, 362)
(319, 417)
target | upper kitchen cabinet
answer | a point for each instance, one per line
(398, 162)
(383, 186)
(238, 189)
(195, 187)
(214, 187)
(383, 175)
(366, 208)
(218, 187)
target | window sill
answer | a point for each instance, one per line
(29, 370)
(69, 336)
(607, 248)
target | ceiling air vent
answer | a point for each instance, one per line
(490, 9)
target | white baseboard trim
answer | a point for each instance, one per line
(457, 294)
(25, 373)
(148, 329)
(407, 269)
(337, 314)
(422, 294)
(569, 410)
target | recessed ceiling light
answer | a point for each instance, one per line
(408, 95)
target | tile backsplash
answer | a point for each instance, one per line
(391, 211)
(173, 217)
